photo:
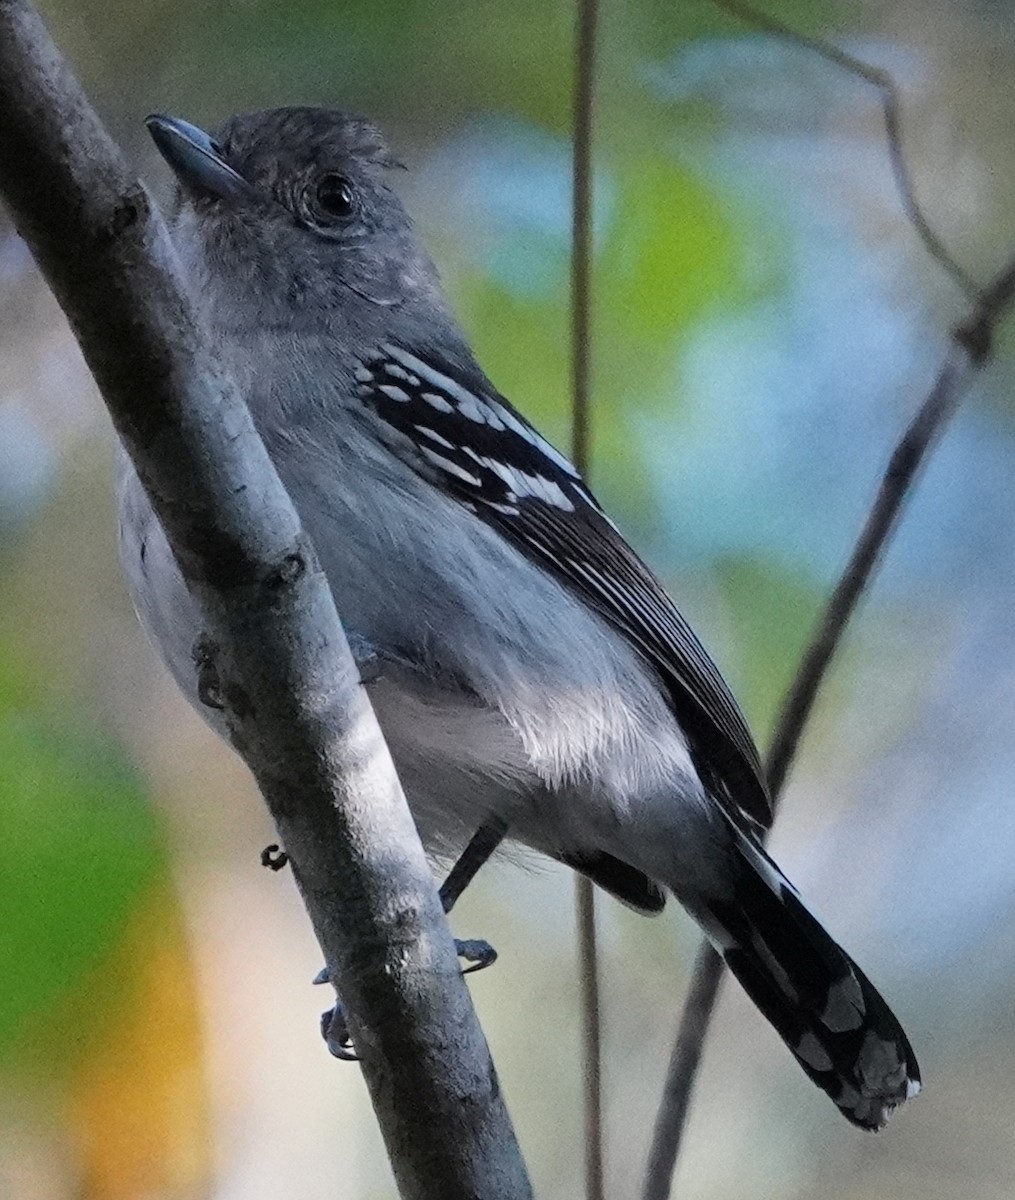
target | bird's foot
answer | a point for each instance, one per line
(335, 1032)
(476, 952)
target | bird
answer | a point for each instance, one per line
(530, 674)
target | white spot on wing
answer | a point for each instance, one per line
(466, 402)
(508, 474)
(435, 400)
(535, 439)
(482, 409)
(468, 407)
(434, 436)
(394, 393)
(522, 484)
(396, 372)
(546, 489)
(513, 423)
(452, 468)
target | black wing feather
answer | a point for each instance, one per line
(491, 459)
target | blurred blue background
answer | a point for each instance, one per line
(765, 323)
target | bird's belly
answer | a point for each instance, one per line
(458, 760)
(495, 688)
(430, 582)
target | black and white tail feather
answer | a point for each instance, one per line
(818, 1000)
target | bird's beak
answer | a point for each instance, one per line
(196, 159)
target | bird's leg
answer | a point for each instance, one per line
(484, 842)
(476, 952)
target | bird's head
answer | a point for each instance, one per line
(294, 208)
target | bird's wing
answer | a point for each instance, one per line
(459, 431)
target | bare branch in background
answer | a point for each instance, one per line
(892, 109)
(296, 710)
(971, 347)
(581, 230)
(685, 1058)
(581, 342)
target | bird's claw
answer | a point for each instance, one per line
(476, 952)
(274, 857)
(336, 1035)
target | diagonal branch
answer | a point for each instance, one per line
(971, 347)
(296, 711)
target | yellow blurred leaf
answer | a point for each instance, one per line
(137, 1109)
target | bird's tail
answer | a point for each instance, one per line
(821, 1004)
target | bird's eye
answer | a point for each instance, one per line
(335, 196)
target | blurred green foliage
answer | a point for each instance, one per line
(775, 611)
(669, 254)
(81, 846)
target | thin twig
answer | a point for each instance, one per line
(581, 229)
(591, 1034)
(971, 347)
(685, 1058)
(581, 316)
(899, 477)
(892, 110)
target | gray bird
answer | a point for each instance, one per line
(528, 671)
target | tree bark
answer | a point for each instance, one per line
(283, 669)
